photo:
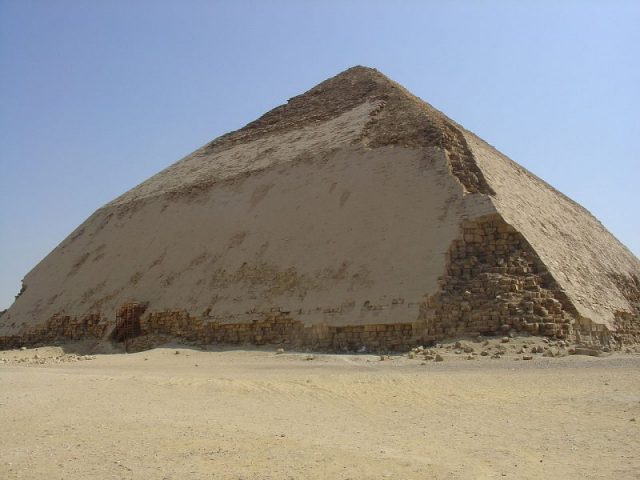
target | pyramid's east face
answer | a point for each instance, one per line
(354, 236)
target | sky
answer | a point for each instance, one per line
(98, 95)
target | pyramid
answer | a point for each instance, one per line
(355, 215)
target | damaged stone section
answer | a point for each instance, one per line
(402, 119)
(496, 283)
(60, 328)
(128, 321)
(23, 289)
(277, 329)
(325, 101)
(156, 328)
(627, 323)
(399, 119)
(463, 163)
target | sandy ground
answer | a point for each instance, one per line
(255, 414)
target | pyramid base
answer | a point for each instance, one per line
(282, 330)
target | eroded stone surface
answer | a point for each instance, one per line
(496, 283)
(575, 247)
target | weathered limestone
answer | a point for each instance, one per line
(354, 216)
(278, 329)
(60, 328)
(626, 323)
(495, 283)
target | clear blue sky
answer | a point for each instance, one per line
(96, 96)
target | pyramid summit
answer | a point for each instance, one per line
(354, 215)
(394, 117)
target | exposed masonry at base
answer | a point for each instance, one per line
(279, 329)
(61, 327)
(494, 283)
(627, 324)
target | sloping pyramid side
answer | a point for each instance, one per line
(599, 274)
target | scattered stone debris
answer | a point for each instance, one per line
(524, 347)
(56, 356)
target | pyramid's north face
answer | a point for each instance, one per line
(354, 215)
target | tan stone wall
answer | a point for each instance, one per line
(60, 328)
(278, 329)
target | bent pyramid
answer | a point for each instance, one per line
(354, 215)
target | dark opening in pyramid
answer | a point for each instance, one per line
(354, 215)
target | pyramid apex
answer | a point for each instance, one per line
(355, 75)
(362, 70)
(328, 99)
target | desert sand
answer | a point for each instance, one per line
(179, 412)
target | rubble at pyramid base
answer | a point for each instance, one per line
(282, 330)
